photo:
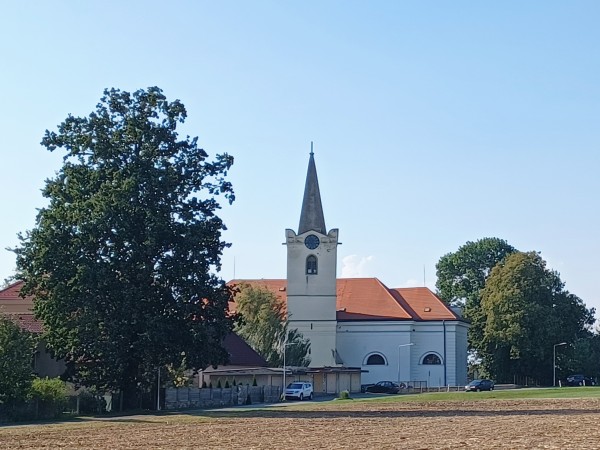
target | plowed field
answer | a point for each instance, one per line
(509, 424)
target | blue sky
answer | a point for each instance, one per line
(434, 123)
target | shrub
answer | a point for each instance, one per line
(344, 395)
(204, 384)
(254, 381)
(226, 384)
(219, 384)
(51, 395)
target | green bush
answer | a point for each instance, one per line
(204, 384)
(254, 381)
(49, 390)
(226, 384)
(50, 395)
(344, 395)
(219, 384)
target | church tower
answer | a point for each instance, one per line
(311, 275)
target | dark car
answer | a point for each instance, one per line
(480, 385)
(364, 387)
(384, 387)
(580, 380)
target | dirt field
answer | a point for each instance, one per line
(510, 424)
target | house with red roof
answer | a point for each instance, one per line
(405, 335)
(243, 360)
(20, 310)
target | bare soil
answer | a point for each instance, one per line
(507, 424)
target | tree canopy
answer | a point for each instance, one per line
(462, 275)
(122, 262)
(528, 311)
(16, 353)
(264, 326)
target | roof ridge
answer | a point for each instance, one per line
(408, 310)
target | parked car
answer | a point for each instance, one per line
(580, 380)
(364, 387)
(480, 385)
(384, 387)
(299, 390)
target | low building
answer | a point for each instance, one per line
(20, 310)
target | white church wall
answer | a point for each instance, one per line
(311, 308)
(322, 336)
(357, 340)
(403, 362)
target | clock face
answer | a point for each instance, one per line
(311, 241)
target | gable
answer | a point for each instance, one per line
(240, 353)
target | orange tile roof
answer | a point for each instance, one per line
(27, 322)
(11, 292)
(369, 299)
(277, 287)
(19, 309)
(425, 304)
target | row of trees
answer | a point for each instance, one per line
(518, 309)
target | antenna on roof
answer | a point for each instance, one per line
(424, 284)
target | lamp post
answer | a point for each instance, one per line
(554, 363)
(400, 346)
(285, 345)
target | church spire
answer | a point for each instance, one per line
(311, 217)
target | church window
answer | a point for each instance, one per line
(431, 359)
(311, 265)
(375, 360)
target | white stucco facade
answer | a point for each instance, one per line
(403, 346)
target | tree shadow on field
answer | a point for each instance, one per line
(383, 414)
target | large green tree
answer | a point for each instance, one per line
(122, 262)
(263, 324)
(461, 276)
(528, 311)
(16, 353)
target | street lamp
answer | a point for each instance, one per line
(402, 345)
(285, 344)
(554, 363)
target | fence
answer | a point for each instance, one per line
(419, 387)
(193, 397)
(31, 410)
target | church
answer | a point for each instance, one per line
(406, 335)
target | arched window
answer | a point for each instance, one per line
(311, 265)
(431, 358)
(375, 360)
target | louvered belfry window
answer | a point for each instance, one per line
(311, 265)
